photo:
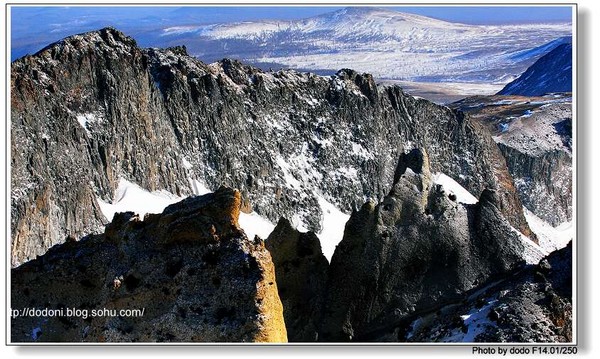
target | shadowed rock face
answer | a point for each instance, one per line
(301, 272)
(537, 306)
(534, 305)
(195, 274)
(94, 108)
(416, 250)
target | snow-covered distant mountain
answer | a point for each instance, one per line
(541, 50)
(386, 43)
(357, 23)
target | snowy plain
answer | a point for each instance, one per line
(381, 41)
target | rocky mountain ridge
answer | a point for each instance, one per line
(200, 279)
(94, 108)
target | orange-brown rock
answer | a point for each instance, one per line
(190, 271)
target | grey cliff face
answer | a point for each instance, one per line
(413, 252)
(59, 164)
(544, 182)
(95, 108)
(192, 270)
(538, 152)
(535, 137)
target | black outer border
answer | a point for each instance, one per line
(575, 27)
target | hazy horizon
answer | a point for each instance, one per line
(32, 28)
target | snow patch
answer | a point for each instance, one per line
(131, 197)
(299, 166)
(476, 321)
(323, 142)
(527, 114)
(290, 180)
(255, 225)
(180, 30)
(186, 163)
(450, 185)
(275, 124)
(333, 226)
(298, 223)
(360, 151)
(89, 118)
(198, 188)
(550, 238)
(348, 172)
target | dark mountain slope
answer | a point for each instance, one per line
(533, 305)
(552, 72)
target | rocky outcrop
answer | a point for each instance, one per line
(190, 271)
(415, 251)
(534, 305)
(94, 108)
(538, 152)
(301, 272)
